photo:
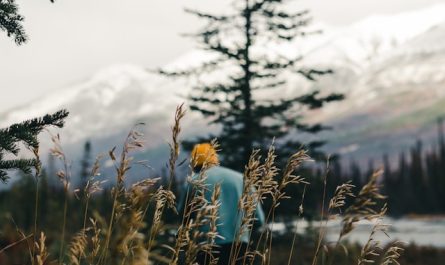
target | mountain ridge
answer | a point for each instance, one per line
(374, 79)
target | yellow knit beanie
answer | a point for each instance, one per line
(204, 153)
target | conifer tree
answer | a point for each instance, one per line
(85, 165)
(356, 175)
(11, 21)
(24, 133)
(241, 43)
(416, 174)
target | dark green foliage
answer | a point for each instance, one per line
(24, 133)
(11, 21)
(247, 120)
(85, 165)
(417, 184)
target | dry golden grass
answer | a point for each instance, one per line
(124, 238)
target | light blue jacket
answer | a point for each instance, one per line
(229, 218)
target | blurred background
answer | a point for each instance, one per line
(100, 61)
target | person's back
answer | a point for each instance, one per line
(229, 215)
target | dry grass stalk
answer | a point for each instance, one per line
(364, 205)
(372, 248)
(84, 247)
(392, 254)
(293, 163)
(38, 170)
(288, 178)
(166, 197)
(323, 228)
(25, 238)
(128, 245)
(77, 248)
(212, 234)
(41, 253)
(364, 208)
(202, 213)
(126, 241)
(127, 236)
(132, 142)
(267, 185)
(341, 193)
(95, 239)
(29, 243)
(64, 176)
(196, 213)
(248, 202)
(175, 144)
(259, 182)
(92, 186)
(300, 213)
(135, 202)
(198, 239)
(141, 192)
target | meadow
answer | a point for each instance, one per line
(137, 223)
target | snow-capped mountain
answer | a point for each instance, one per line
(391, 69)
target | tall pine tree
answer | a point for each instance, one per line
(241, 43)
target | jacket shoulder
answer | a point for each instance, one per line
(227, 174)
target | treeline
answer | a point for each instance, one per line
(413, 181)
(415, 184)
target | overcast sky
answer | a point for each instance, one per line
(72, 39)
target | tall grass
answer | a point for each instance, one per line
(124, 237)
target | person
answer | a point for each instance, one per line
(229, 216)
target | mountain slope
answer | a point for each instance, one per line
(391, 69)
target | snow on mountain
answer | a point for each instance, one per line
(393, 101)
(382, 57)
(374, 36)
(107, 105)
(389, 67)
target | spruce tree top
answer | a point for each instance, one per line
(247, 120)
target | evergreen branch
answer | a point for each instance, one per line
(282, 14)
(207, 15)
(215, 88)
(311, 74)
(11, 21)
(285, 27)
(25, 132)
(205, 67)
(220, 48)
(284, 64)
(315, 128)
(24, 165)
(269, 85)
(313, 102)
(257, 6)
(28, 130)
(203, 111)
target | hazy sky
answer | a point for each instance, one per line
(72, 39)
